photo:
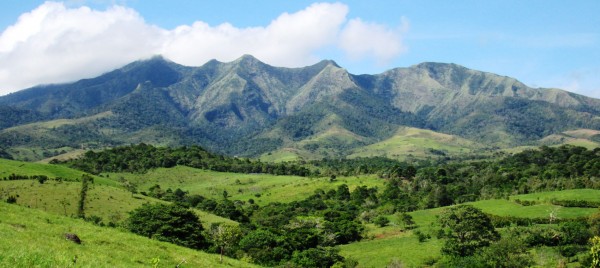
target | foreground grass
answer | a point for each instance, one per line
(32, 238)
(263, 188)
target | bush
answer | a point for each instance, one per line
(11, 199)
(422, 236)
(170, 223)
(381, 221)
(317, 257)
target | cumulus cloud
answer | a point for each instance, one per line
(383, 42)
(54, 43)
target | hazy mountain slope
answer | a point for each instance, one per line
(248, 108)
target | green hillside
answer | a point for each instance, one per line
(33, 238)
(8, 167)
(263, 188)
(414, 143)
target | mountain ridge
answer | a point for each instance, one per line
(229, 107)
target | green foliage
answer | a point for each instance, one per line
(225, 237)
(170, 223)
(576, 232)
(508, 252)
(11, 199)
(317, 257)
(381, 221)
(594, 223)
(595, 251)
(85, 181)
(142, 157)
(467, 230)
(406, 220)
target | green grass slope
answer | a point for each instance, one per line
(263, 188)
(8, 167)
(112, 204)
(579, 137)
(417, 143)
(33, 238)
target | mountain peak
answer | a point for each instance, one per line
(247, 58)
(330, 62)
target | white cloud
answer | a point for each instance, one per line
(366, 39)
(54, 43)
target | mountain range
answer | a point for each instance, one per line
(249, 108)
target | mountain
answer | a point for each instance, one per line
(249, 108)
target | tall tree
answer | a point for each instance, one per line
(467, 229)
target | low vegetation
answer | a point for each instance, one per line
(531, 207)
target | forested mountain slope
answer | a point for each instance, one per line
(248, 108)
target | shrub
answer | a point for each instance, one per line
(381, 221)
(171, 223)
(11, 199)
(422, 236)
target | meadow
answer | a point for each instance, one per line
(262, 188)
(34, 238)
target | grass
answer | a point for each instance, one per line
(33, 238)
(283, 155)
(109, 203)
(509, 208)
(418, 143)
(8, 167)
(574, 194)
(263, 188)
(379, 252)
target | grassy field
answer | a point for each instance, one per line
(33, 238)
(416, 143)
(575, 194)
(263, 188)
(109, 203)
(8, 167)
(380, 252)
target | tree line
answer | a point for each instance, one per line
(143, 157)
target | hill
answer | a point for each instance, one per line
(249, 108)
(37, 239)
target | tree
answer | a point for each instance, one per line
(508, 252)
(594, 222)
(317, 257)
(225, 236)
(595, 251)
(168, 222)
(467, 229)
(85, 180)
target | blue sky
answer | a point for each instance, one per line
(541, 43)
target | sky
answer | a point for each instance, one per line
(550, 43)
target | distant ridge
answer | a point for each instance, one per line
(248, 108)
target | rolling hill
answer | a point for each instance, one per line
(249, 108)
